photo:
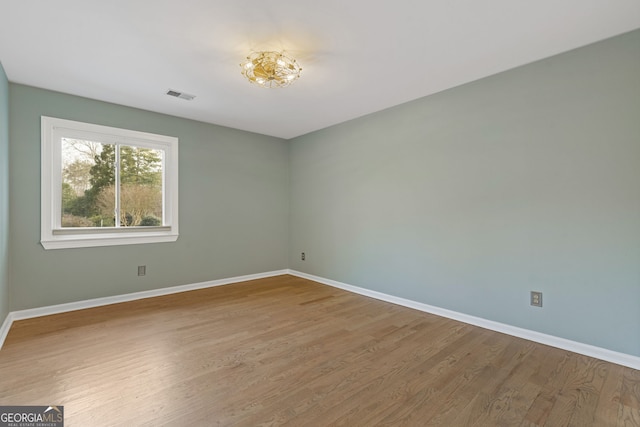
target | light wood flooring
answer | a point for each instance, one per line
(288, 351)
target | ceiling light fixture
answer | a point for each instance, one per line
(271, 69)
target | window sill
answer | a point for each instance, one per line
(75, 240)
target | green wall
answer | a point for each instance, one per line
(233, 207)
(470, 198)
(4, 195)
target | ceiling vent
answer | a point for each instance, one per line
(180, 95)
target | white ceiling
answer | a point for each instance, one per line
(358, 56)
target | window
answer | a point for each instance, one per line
(105, 186)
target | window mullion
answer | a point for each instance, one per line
(116, 192)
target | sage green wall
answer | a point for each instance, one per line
(470, 198)
(233, 207)
(4, 195)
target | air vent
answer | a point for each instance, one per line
(180, 95)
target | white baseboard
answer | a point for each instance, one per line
(553, 341)
(4, 330)
(97, 302)
(550, 340)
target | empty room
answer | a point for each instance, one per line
(261, 213)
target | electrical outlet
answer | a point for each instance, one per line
(536, 299)
(142, 270)
(303, 256)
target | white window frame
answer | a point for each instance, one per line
(53, 235)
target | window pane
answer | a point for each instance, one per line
(140, 186)
(87, 169)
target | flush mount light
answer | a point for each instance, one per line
(271, 69)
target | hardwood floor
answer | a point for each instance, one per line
(288, 351)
